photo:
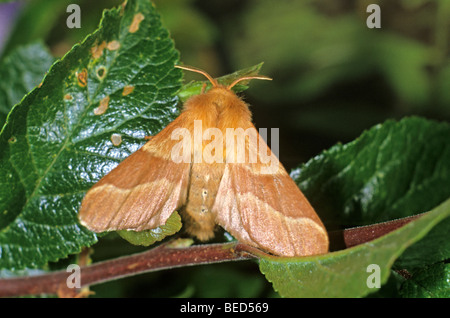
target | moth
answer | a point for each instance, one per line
(212, 165)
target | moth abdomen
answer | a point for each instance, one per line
(199, 219)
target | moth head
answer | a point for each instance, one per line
(215, 83)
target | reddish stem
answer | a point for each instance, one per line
(166, 257)
(159, 258)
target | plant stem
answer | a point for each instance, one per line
(166, 257)
(158, 258)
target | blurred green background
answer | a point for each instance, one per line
(333, 77)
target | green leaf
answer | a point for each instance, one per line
(195, 87)
(393, 170)
(346, 273)
(57, 142)
(149, 237)
(430, 282)
(20, 72)
(434, 248)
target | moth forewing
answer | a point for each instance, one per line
(142, 191)
(273, 213)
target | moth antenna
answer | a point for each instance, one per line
(261, 77)
(197, 70)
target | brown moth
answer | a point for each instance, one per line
(212, 163)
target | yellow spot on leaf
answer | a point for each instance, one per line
(116, 139)
(101, 72)
(113, 45)
(101, 109)
(127, 90)
(97, 50)
(82, 78)
(138, 17)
